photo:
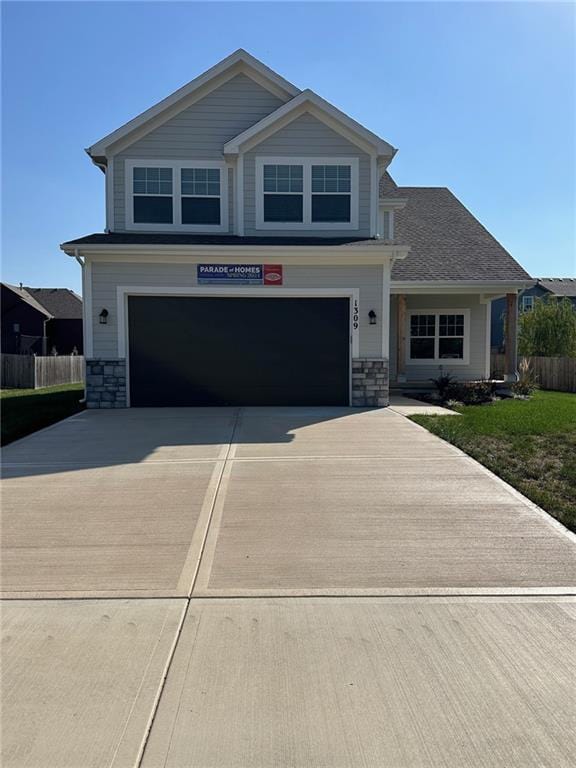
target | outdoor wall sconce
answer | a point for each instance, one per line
(103, 317)
(372, 316)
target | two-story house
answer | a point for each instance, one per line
(257, 252)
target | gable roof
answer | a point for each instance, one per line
(23, 294)
(559, 286)
(60, 303)
(447, 243)
(238, 62)
(308, 101)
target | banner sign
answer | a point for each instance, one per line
(239, 274)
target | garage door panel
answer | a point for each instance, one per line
(238, 351)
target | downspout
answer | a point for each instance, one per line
(79, 260)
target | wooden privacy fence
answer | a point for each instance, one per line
(557, 373)
(30, 372)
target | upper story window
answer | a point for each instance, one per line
(438, 336)
(177, 195)
(283, 193)
(152, 188)
(200, 195)
(306, 193)
(331, 192)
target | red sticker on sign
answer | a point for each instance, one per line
(272, 274)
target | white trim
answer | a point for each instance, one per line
(385, 322)
(109, 185)
(459, 286)
(448, 362)
(308, 101)
(239, 222)
(124, 291)
(176, 166)
(239, 62)
(393, 203)
(488, 340)
(307, 162)
(87, 310)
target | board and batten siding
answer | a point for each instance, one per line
(306, 136)
(198, 132)
(476, 369)
(107, 276)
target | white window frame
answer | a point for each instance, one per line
(446, 361)
(176, 166)
(527, 306)
(307, 163)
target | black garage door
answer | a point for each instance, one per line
(238, 351)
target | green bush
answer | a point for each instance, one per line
(549, 330)
(527, 382)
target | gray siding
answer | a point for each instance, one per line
(306, 136)
(477, 367)
(200, 131)
(107, 276)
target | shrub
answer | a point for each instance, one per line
(471, 392)
(442, 383)
(527, 382)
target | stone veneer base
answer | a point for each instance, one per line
(106, 383)
(370, 382)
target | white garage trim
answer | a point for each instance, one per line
(124, 291)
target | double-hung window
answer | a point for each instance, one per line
(283, 193)
(152, 195)
(527, 303)
(331, 193)
(438, 336)
(306, 193)
(177, 195)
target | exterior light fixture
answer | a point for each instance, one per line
(372, 316)
(103, 317)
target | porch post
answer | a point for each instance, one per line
(511, 338)
(401, 338)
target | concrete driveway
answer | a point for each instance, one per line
(277, 587)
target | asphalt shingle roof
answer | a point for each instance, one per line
(559, 286)
(447, 242)
(140, 238)
(61, 303)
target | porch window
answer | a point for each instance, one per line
(152, 195)
(438, 336)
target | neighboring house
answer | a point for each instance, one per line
(39, 320)
(559, 287)
(257, 252)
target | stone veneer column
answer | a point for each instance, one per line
(106, 383)
(370, 382)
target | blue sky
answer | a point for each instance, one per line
(478, 97)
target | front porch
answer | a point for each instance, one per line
(447, 332)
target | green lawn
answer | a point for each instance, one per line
(529, 443)
(26, 410)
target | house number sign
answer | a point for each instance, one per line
(355, 314)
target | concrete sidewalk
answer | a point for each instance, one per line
(382, 598)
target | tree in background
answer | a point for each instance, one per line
(549, 330)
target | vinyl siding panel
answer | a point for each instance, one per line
(306, 136)
(107, 276)
(200, 131)
(421, 372)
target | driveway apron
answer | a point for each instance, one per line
(299, 587)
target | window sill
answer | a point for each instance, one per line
(441, 361)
